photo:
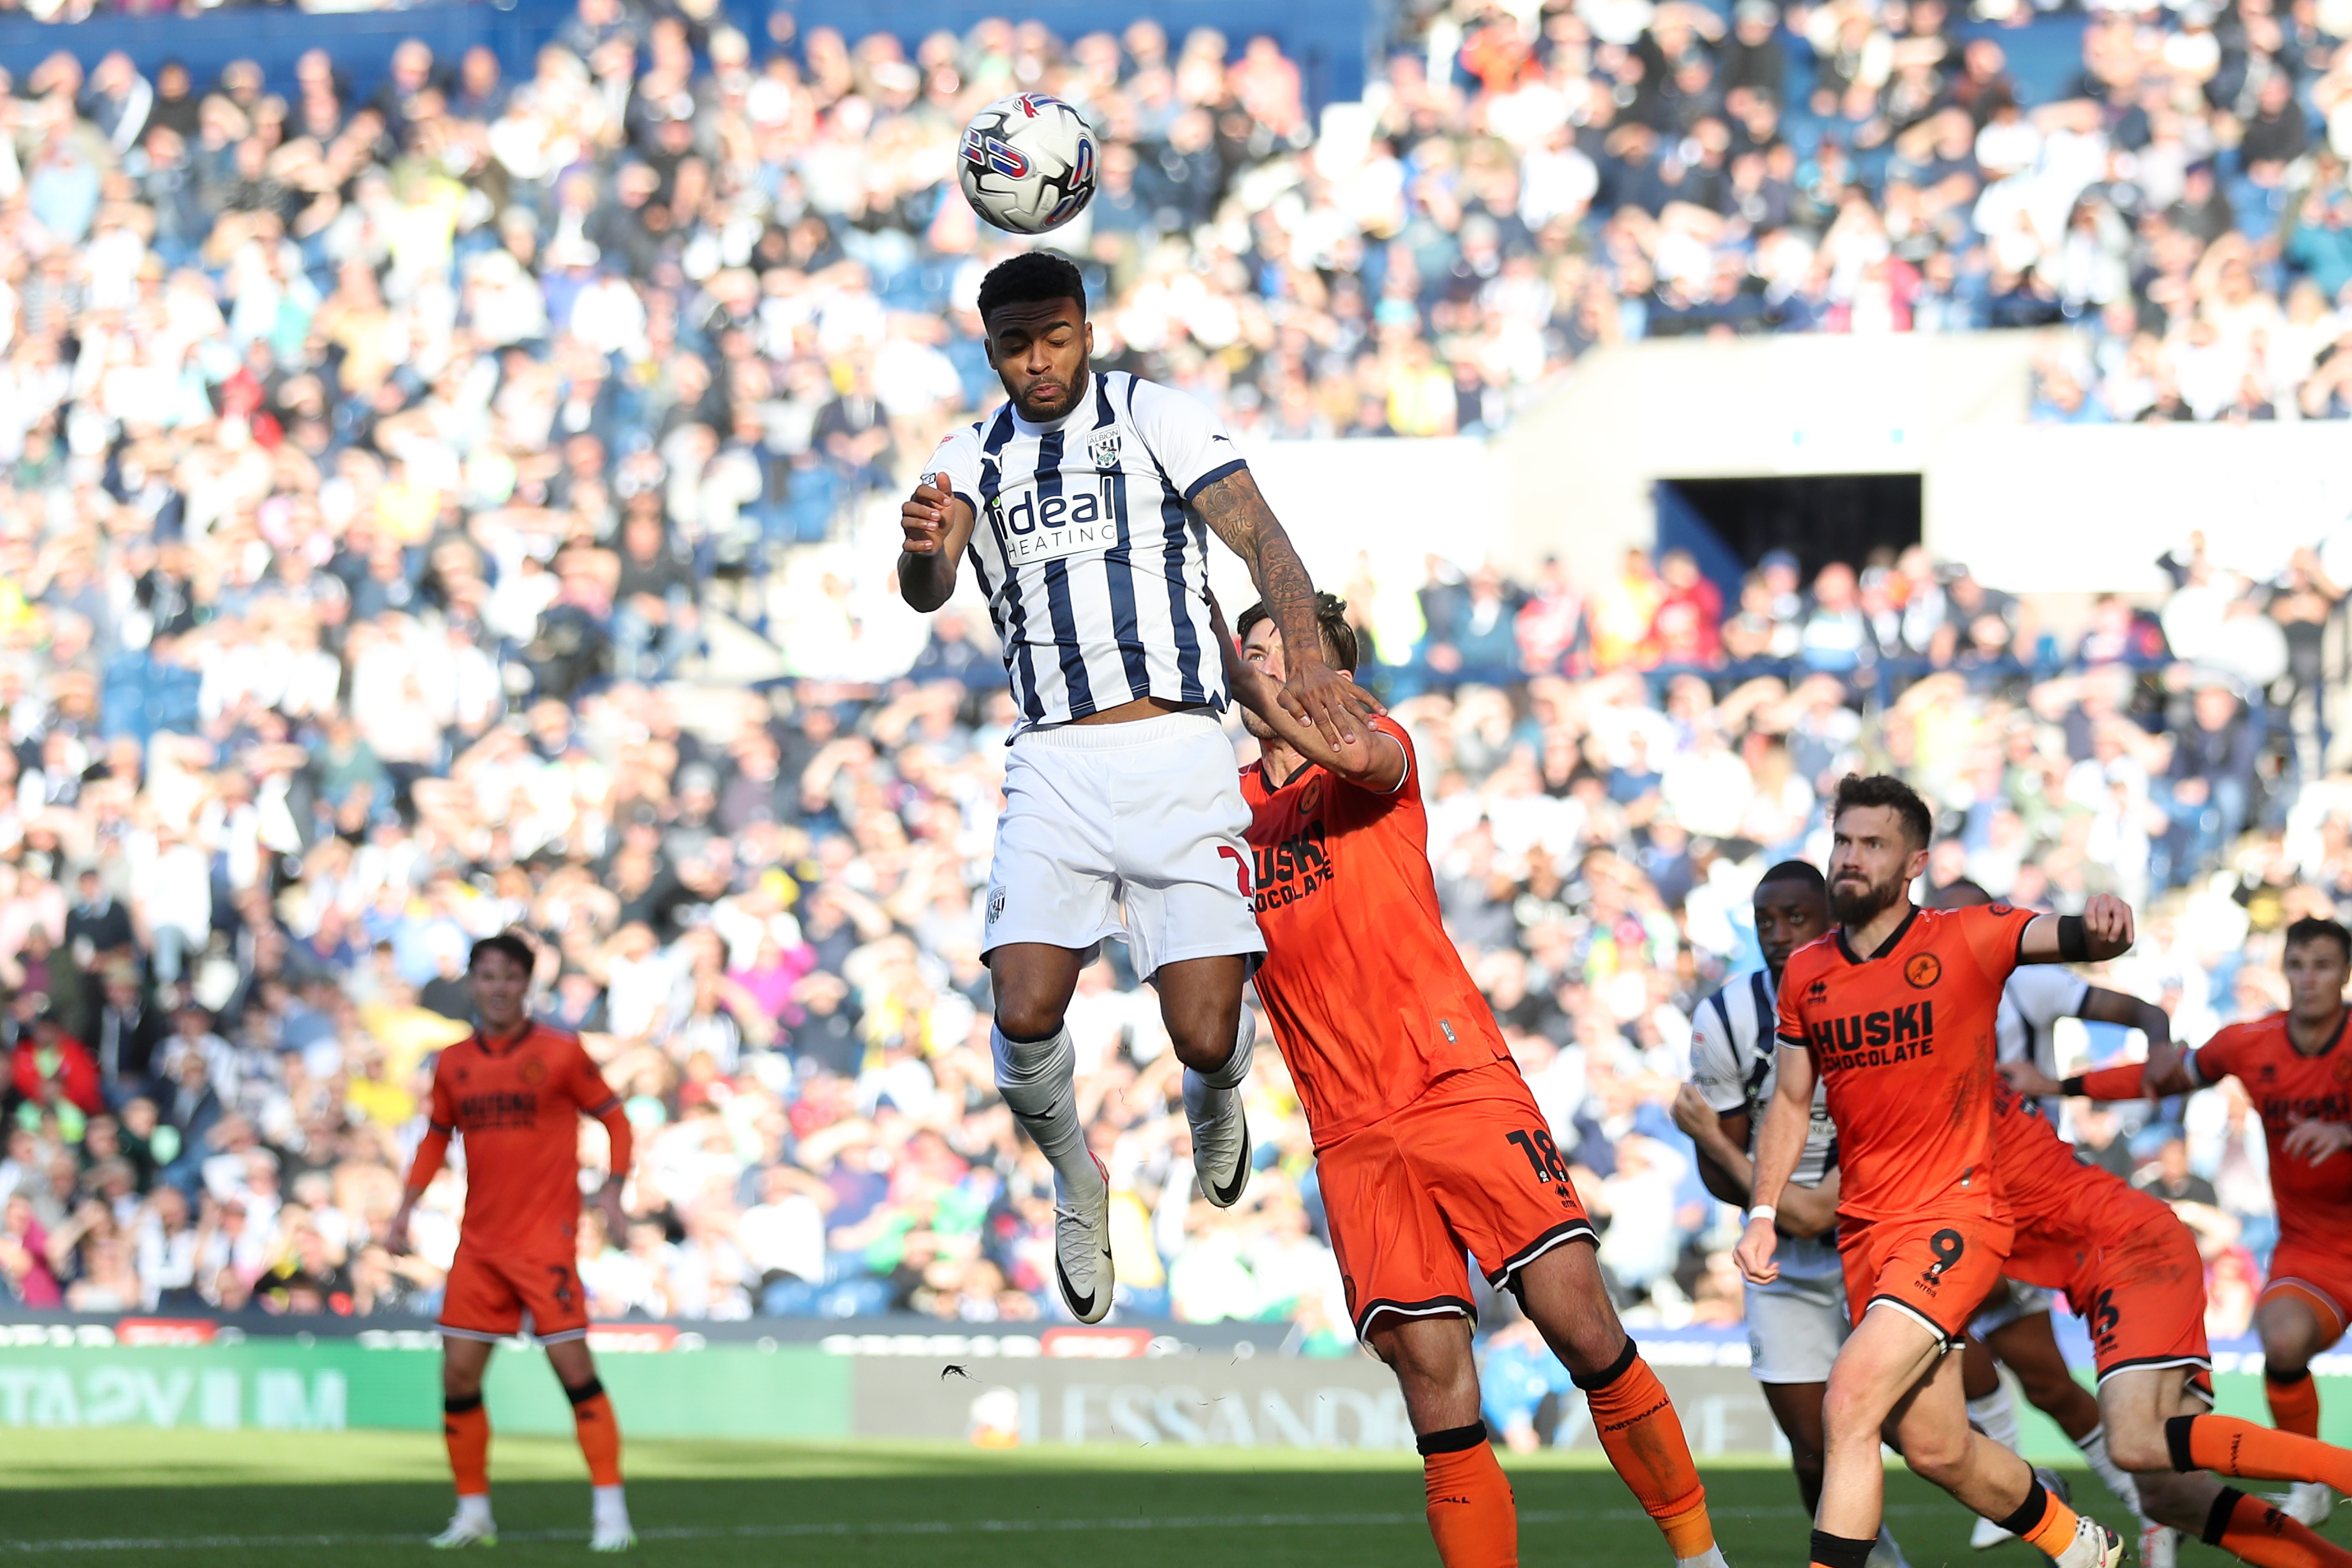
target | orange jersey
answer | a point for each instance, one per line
(1363, 987)
(2065, 1210)
(2314, 1202)
(1903, 1042)
(518, 1108)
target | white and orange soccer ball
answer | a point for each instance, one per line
(1027, 163)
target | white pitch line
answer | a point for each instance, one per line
(874, 1527)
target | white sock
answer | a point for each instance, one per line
(1995, 1416)
(1039, 1080)
(474, 1508)
(608, 1505)
(1206, 1092)
(1886, 1553)
(2119, 1481)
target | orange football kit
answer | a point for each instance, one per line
(2313, 1262)
(518, 1105)
(1904, 1041)
(1428, 1144)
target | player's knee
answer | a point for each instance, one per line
(1941, 1457)
(2140, 1449)
(458, 1383)
(1850, 1410)
(1027, 1015)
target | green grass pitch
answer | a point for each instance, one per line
(149, 1500)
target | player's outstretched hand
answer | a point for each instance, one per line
(1753, 1253)
(1319, 695)
(396, 1234)
(2316, 1142)
(2028, 1079)
(923, 516)
(2107, 921)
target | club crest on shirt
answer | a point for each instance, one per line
(1103, 448)
(533, 1071)
(995, 904)
(1924, 970)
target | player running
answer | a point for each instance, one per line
(1896, 1016)
(2132, 1270)
(2014, 1324)
(516, 1090)
(1427, 1141)
(1084, 505)
(2297, 1070)
(1796, 1322)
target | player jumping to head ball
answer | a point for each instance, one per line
(1084, 505)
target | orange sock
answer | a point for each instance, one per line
(1644, 1437)
(1471, 1514)
(2238, 1447)
(599, 1434)
(2253, 1531)
(467, 1425)
(2295, 1402)
(2041, 1522)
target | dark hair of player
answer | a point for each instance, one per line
(1804, 871)
(1960, 894)
(514, 945)
(2311, 928)
(1339, 645)
(1030, 277)
(1886, 790)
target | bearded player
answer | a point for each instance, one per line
(2132, 1271)
(1085, 504)
(2297, 1070)
(515, 1091)
(1427, 1142)
(1796, 1324)
(1895, 1014)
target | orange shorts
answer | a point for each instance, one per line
(488, 1295)
(2142, 1297)
(1468, 1168)
(2320, 1277)
(1935, 1268)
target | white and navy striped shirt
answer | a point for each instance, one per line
(1095, 569)
(1735, 1063)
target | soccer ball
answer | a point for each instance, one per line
(1027, 163)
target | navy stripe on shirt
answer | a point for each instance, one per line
(1179, 613)
(1033, 706)
(1119, 566)
(1057, 587)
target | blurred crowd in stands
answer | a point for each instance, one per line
(386, 479)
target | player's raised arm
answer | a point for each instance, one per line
(1779, 1144)
(2103, 930)
(938, 524)
(1236, 512)
(1368, 759)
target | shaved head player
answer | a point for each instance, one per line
(1085, 504)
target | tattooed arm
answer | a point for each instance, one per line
(1314, 692)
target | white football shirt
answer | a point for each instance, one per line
(1084, 539)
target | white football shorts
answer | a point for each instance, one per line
(2018, 1301)
(1794, 1328)
(1135, 830)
